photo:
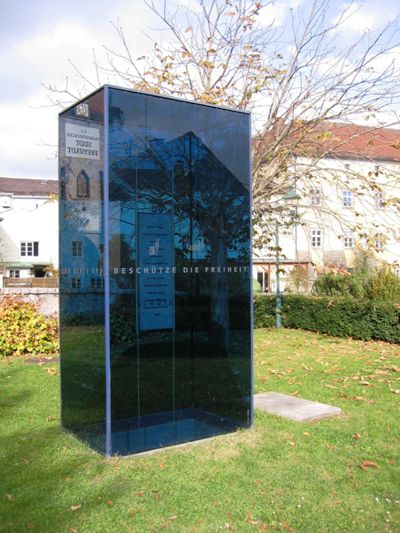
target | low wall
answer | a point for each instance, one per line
(45, 298)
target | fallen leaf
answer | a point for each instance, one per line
(229, 526)
(391, 461)
(292, 443)
(162, 465)
(110, 503)
(358, 398)
(306, 433)
(368, 464)
(330, 386)
(29, 525)
(73, 530)
(9, 497)
(356, 436)
(140, 493)
(76, 507)
(52, 371)
(365, 383)
(173, 517)
(132, 514)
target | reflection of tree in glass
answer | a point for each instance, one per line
(209, 204)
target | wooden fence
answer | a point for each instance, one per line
(42, 283)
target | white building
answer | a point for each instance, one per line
(350, 197)
(28, 228)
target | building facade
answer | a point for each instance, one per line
(28, 228)
(346, 200)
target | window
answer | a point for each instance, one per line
(347, 198)
(316, 238)
(82, 185)
(96, 283)
(14, 273)
(379, 200)
(76, 283)
(29, 249)
(348, 238)
(315, 196)
(77, 249)
(262, 278)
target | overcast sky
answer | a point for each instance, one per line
(39, 37)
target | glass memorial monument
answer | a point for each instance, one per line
(155, 271)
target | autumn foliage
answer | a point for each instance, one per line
(23, 330)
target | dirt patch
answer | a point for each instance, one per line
(37, 360)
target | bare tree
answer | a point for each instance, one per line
(296, 81)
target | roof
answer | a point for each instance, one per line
(28, 187)
(333, 139)
(366, 142)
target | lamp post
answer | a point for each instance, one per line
(278, 297)
(290, 198)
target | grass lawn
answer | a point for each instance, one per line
(340, 474)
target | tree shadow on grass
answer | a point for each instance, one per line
(45, 473)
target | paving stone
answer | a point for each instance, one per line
(294, 408)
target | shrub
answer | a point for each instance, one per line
(25, 331)
(297, 279)
(342, 317)
(384, 285)
(332, 284)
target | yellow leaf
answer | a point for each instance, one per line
(76, 507)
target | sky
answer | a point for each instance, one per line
(40, 39)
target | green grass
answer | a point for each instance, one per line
(281, 476)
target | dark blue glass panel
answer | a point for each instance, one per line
(81, 270)
(179, 271)
(178, 292)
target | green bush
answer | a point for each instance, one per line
(384, 285)
(332, 284)
(25, 331)
(342, 317)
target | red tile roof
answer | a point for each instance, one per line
(353, 141)
(28, 187)
(333, 139)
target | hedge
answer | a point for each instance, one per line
(340, 317)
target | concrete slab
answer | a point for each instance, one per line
(294, 408)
